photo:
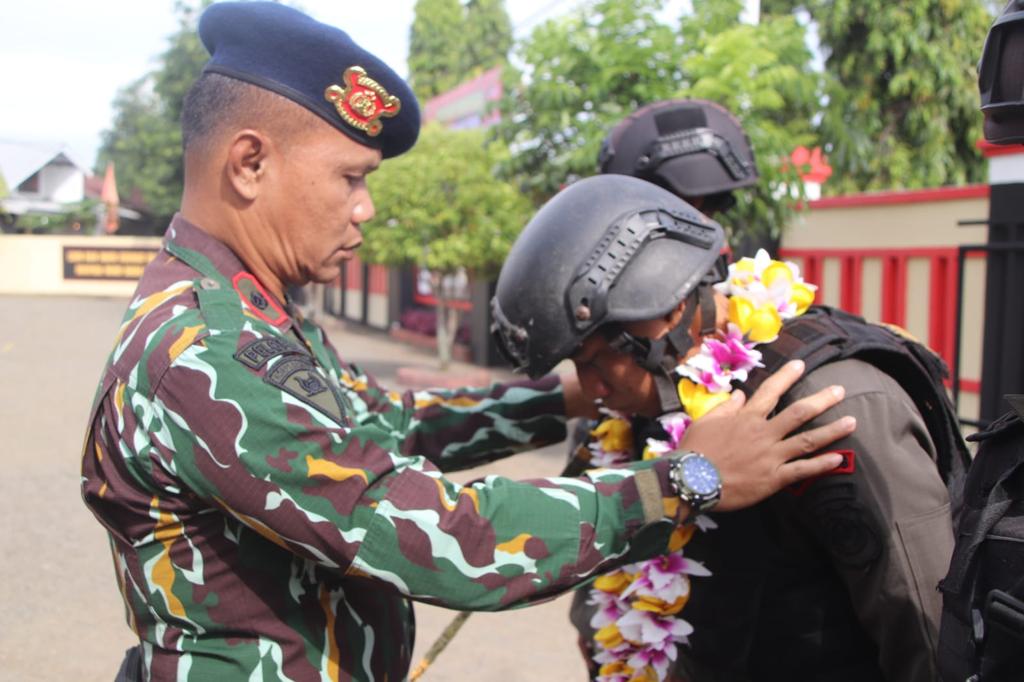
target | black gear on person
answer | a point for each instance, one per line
(1001, 77)
(693, 148)
(606, 250)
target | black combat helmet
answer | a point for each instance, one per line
(1001, 77)
(606, 250)
(693, 148)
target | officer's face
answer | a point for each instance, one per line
(614, 377)
(320, 199)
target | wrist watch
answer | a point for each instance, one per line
(696, 481)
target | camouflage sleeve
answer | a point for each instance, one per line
(457, 429)
(343, 494)
(461, 428)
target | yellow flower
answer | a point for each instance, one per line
(615, 435)
(646, 675)
(613, 583)
(615, 668)
(609, 636)
(761, 324)
(765, 324)
(776, 271)
(697, 400)
(680, 537)
(803, 297)
(658, 606)
(745, 264)
(740, 310)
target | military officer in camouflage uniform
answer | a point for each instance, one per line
(272, 509)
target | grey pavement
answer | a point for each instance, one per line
(62, 615)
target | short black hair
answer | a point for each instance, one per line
(215, 102)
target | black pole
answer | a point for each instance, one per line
(1002, 369)
(961, 262)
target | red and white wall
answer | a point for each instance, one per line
(893, 257)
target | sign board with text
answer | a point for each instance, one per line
(106, 262)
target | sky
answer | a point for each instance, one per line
(64, 60)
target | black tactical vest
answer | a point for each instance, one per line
(982, 632)
(778, 611)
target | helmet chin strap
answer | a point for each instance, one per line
(661, 356)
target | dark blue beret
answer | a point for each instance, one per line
(318, 66)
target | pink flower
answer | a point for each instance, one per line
(665, 577)
(648, 629)
(610, 607)
(658, 656)
(719, 363)
(675, 426)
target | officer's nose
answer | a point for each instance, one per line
(364, 209)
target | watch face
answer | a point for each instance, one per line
(700, 475)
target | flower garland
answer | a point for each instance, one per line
(637, 622)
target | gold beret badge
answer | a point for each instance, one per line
(363, 101)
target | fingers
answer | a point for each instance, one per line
(806, 409)
(798, 470)
(767, 396)
(807, 442)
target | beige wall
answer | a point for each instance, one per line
(377, 315)
(907, 225)
(836, 231)
(34, 264)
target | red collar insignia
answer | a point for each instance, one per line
(256, 298)
(362, 101)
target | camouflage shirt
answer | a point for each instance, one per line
(272, 510)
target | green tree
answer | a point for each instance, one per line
(182, 61)
(437, 45)
(583, 72)
(587, 71)
(763, 74)
(902, 98)
(145, 144)
(440, 208)
(145, 138)
(488, 35)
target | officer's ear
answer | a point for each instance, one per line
(247, 162)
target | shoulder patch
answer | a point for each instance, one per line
(257, 353)
(845, 527)
(299, 377)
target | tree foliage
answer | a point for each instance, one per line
(583, 72)
(436, 42)
(587, 71)
(145, 138)
(488, 35)
(450, 43)
(764, 75)
(146, 147)
(440, 208)
(902, 97)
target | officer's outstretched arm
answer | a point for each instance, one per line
(755, 454)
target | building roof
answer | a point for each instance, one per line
(20, 160)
